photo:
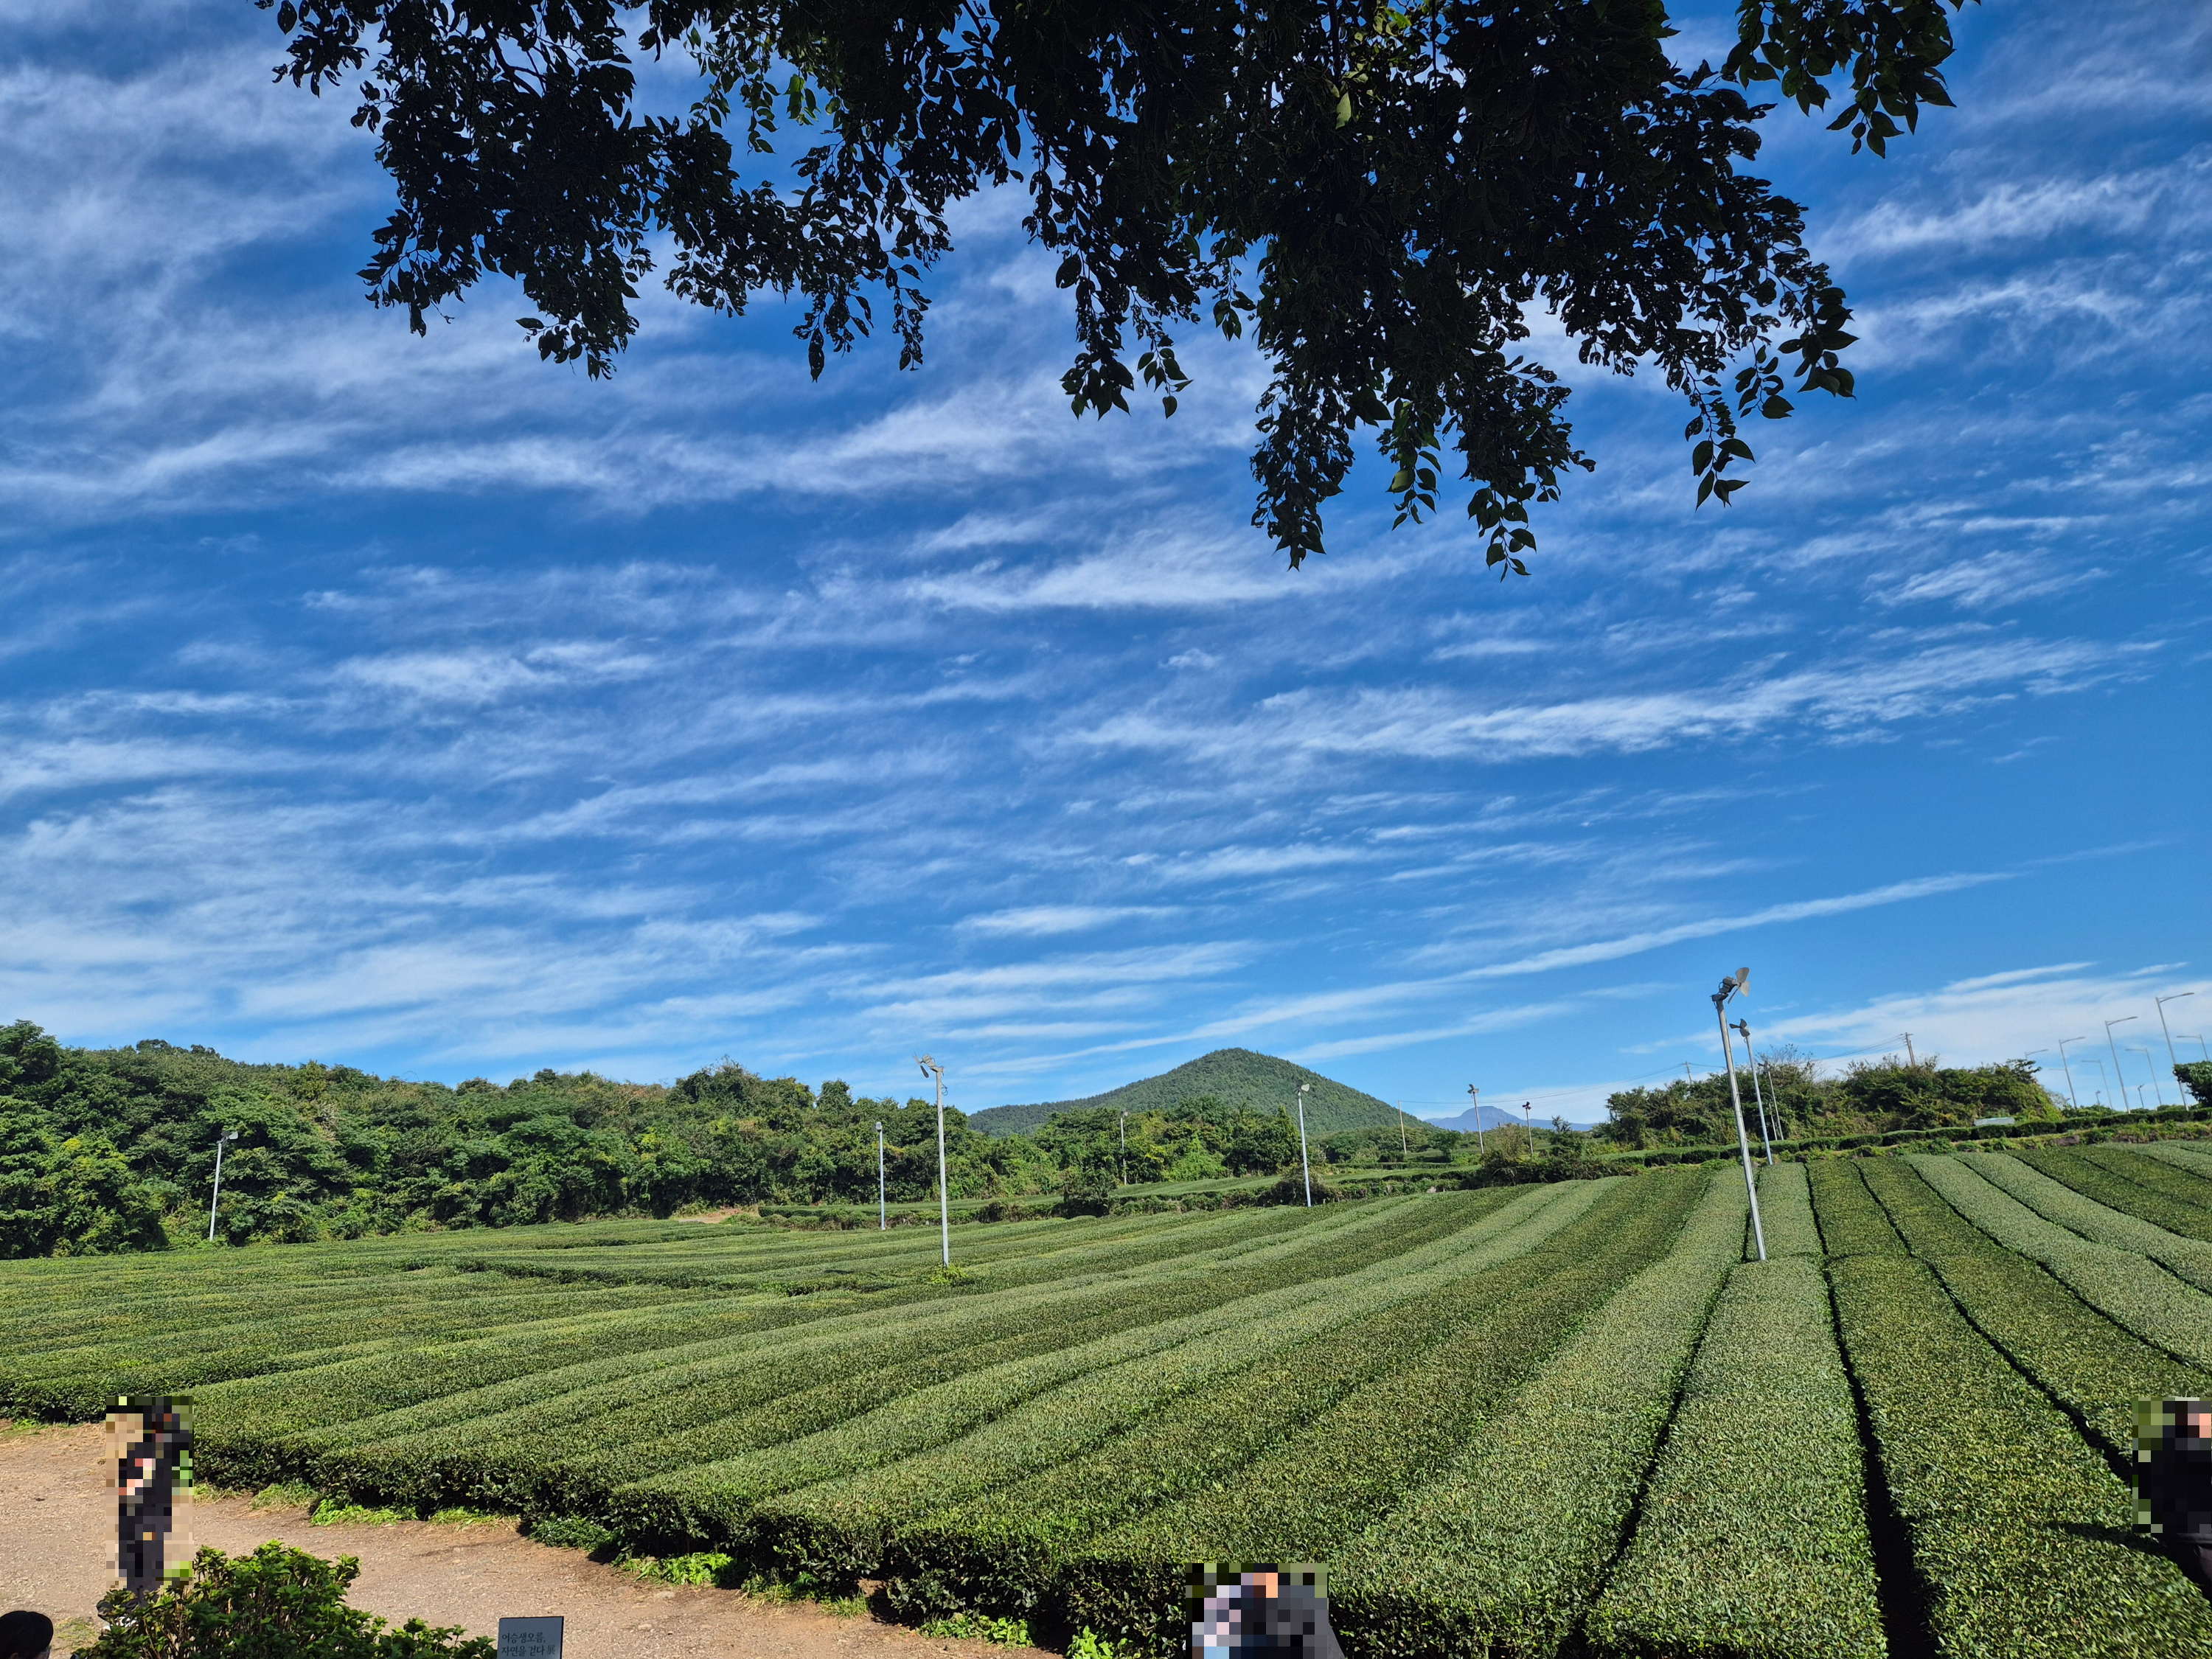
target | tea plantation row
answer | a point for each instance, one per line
(1527, 1422)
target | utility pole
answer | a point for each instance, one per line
(1732, 986)
(2170, 1057)
(2157, 1093)
(1474, 1104)
(1743, 1029)
(2119, 1077)
(883, 1203)
(1911, 1059)
(1303, 1164)
(931, 1068)
(225, 1136)
(2067, 1066)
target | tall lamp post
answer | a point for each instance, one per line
(2119, 1077)
(221, 1140)
(1743, 1030)
(1305, 1167)
(2067, 1066)
(1733, 985)
(883, 1204)
(931, 1068)
(2157, 1093)
(2170, 1058)
(1475, 1105)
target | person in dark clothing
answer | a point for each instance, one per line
(26, 1635)
(152, 1468)
(1256, 1607)
(2173, 1480)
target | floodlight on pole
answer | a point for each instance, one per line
(2162, 1001)
(931, 1068)
(1743, 1029)
(1733, 985)
(1303, 1166)
(882, 1199)
(221, 1140)
(2067, 1066)
(2157, 1093)
(2118, 1076)
(1474, 1104)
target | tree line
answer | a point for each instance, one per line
(115, 1149)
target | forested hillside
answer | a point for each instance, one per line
(1237, 1077)
(114, 1149)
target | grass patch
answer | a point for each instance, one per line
(336, 1512)
(979, 1627)
(284, 1495)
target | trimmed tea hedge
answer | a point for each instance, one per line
(2187, 1258)
(2125, 1287)
(2092, 1367)
(1752, 1535)
(2093, 1176)
(2018, 1529)
(1501, 1554)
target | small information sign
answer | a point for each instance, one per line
(529, 1638)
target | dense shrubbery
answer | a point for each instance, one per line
(276, 1603)
(1868, 1098)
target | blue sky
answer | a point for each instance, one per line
(409, 703)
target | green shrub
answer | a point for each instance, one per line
(2089, 1172)
(2020, 1530)
(276, 1603)
(1851, 1222)
(1501, 1554)
(2133, 1292)
(1331, 1478)
(1761, 1469)
(2095, 1368)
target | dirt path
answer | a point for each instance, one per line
(57, 1515)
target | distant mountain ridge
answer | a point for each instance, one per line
(1238, 1076)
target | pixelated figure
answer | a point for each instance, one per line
(1256, 1607)
(153, 1490)
(2174, 1477)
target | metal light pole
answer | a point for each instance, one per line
(1305, 1166)
(931, 1068)
(2118, 1076)
(1730, 987)
(2067, 1066)
(883, 1204)
(2157, 1093)
(226, 1136)
(1743, 1029)
(1474, 1104)
(2161, 1002)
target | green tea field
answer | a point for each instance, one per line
(1564, 1420)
